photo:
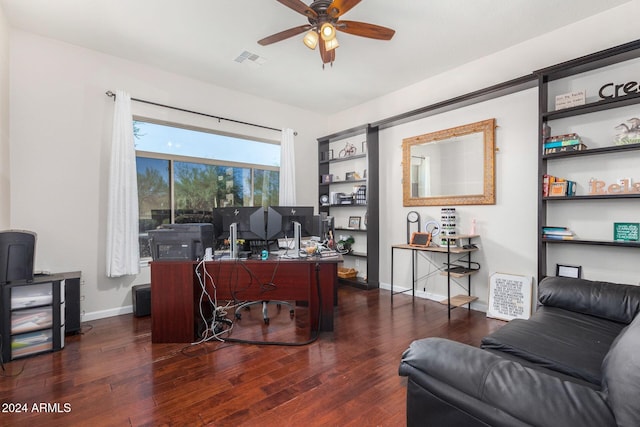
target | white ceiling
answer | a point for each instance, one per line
(201, 39)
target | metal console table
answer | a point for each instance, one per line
(450, 269)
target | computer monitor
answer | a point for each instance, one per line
(180, 241)
(250, 222)
(17, 250)
(280, 221)
(323, 226)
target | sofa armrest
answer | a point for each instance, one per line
(525, 394)
(617, 302)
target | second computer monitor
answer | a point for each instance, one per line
(250, 221)
(280, 221)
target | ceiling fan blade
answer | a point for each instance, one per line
(340, 7)
(326, 55)
(284, 34)
(300, 7)
(363, 29)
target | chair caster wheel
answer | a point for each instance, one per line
(238, 316)
(292, 313)
(266, 321)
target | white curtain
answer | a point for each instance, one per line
(123, 255)
(287, 169)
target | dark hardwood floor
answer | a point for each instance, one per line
(111, 374)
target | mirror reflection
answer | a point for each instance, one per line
(453, 166)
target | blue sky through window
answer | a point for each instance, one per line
(183, 142)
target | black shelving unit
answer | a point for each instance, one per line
(568, 70)
(32, 318)
(371, 232)
(54, 301)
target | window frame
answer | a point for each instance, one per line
(172, 158)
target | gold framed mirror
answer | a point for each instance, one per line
(450, 167)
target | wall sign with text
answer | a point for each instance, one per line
(615, 90)
(509, 296)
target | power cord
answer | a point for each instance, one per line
(221, 325)
(313, 338)
(4, 372)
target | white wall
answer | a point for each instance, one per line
(60, 137)
(508, 229)
(507, 244)
(4, 122)
(611, 28)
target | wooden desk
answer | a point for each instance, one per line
(175, 290)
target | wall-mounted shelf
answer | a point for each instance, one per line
(572, 74)
(594, 151)
(594, 242)
(365, 139)
(592, 197)
(344, 159)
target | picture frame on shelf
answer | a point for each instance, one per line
(354, 222)
(420, 239)
(351, 176)
(626, 231)
(573, 271)
(327, 178)
(558, 189)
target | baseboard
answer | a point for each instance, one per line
(102, 314)
(476, 305)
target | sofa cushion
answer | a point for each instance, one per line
(568, 342)
(492, 390)
(621, 376)
(613, 301)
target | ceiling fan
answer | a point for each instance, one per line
(324, 20)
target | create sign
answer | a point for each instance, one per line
(612, 90)
(624, 187)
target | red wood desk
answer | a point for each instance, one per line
(175, 290)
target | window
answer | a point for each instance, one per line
(183, 174)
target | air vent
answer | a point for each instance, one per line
(249, 57)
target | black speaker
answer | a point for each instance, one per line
(72, 310)
(141, 295)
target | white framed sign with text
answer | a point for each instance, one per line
(509, 296)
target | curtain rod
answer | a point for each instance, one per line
(113, 95)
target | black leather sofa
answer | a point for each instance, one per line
(574, 362)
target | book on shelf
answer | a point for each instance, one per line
(565, 148)
(565, 137)
(556, 237)
(557, 233)
(562, 143)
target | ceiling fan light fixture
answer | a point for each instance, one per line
(327, 31)
(331, 44)
(311, 39)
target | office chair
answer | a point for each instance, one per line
(265, 314)
(257, 247)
